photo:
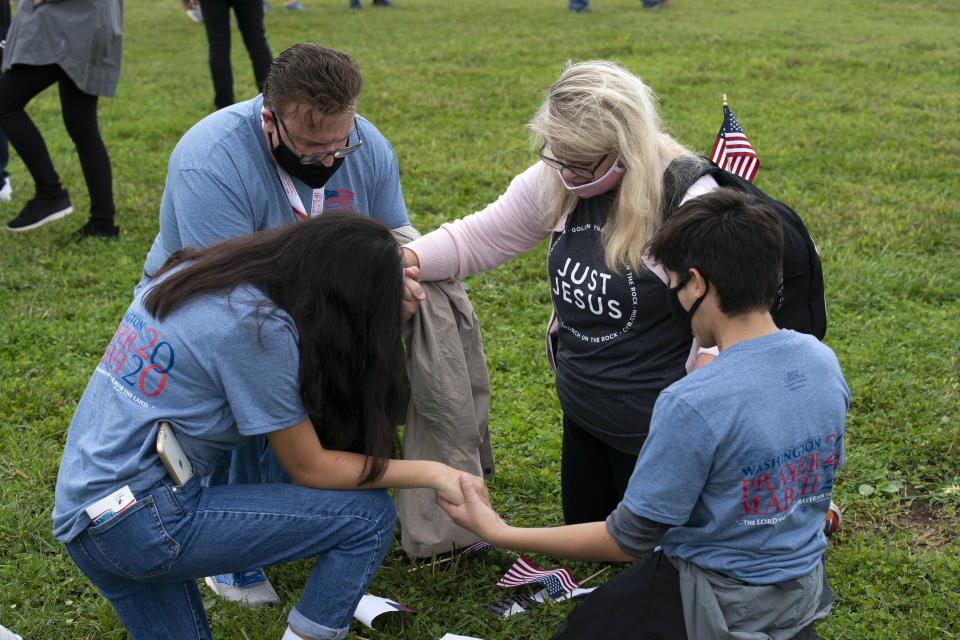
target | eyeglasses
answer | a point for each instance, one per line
(316, 158)
(580, 172)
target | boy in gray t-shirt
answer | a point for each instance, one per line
(733, 483)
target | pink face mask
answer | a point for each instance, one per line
(604, 183)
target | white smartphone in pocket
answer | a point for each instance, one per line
(174, 459)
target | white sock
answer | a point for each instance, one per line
(290, 635)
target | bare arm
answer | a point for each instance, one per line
(308, 464)
(587, 541)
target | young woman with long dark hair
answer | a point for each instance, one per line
(294, 334)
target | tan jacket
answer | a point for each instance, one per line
(449, 402)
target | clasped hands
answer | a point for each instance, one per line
(475, 512)
(412, 291)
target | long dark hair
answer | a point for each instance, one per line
(339, 277)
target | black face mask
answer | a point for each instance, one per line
(680, 314)
(312, 175)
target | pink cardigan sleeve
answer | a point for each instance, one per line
(511, 225)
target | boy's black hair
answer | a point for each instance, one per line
(733, 239)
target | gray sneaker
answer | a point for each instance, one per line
(248, 588)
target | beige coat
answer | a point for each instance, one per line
(449, 401)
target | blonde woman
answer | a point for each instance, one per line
(596, 193)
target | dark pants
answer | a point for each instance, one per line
(4, 24)
(642, 603)
(18, 86)
(4, 158)
(593, 475)
(216, 20)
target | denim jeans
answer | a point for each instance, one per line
(252, 463)
(146, 560)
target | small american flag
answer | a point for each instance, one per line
(477, 547)
(732, 150)
(556, 581)
(339, 197)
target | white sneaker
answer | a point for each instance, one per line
(248, 588)
(5, 194)
(6, 634)
(195, 14)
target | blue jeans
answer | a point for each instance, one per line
(252, 463)
(146, 559)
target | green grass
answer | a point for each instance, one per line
(852, 108)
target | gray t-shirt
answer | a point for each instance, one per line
(618, 345)
(220, 368)
(741, 457)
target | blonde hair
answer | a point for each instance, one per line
(598, 107)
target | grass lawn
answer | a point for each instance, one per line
(852, 108)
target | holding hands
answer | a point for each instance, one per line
(474, 513)
(452, 486)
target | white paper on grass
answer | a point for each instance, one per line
(453, 636)
(542, 596)
(372, 606)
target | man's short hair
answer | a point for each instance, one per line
(733, 239)
(323, 80)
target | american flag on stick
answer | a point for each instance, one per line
(556, 581)
(732, 150)
(477, 547)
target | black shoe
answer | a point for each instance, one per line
(39, 211)
(382, 3)
(93, 230)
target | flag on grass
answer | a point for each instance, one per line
(477, 547)
(556, 581)
(732, 150)
(515, 604)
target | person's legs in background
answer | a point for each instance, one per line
(6, 192)
(216, 22)
(79, 112)
(250, 22)
(18, 86)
